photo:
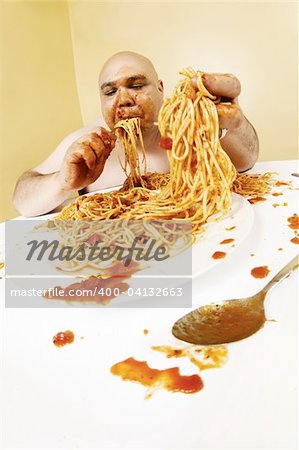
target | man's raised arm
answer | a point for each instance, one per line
(66, 171)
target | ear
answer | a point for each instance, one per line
(160, 86)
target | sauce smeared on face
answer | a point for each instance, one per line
(63, 338)
(169, 379)
(218, 255)
(260, 272)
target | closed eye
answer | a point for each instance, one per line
(137, 86)
(110, 92)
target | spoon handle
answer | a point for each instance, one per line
(285, 271)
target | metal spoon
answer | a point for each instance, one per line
(228, 321)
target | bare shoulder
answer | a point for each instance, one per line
(53, 162)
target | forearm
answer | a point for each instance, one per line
(37, 194)
(242, 146)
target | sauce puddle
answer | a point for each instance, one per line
(170, 379)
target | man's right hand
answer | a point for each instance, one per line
(85, 159)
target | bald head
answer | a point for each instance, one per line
(127, 59)
(130, 87)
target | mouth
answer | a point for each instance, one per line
(128, 112)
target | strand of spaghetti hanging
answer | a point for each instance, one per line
(129, 132)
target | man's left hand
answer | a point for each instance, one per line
(240, 141)
(227, 87)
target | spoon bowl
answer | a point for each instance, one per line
(228, 321)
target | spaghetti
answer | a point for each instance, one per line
(129, 131)
(247, 184)
(201, 173)
(197, 189)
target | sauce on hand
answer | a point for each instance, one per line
(169, 379)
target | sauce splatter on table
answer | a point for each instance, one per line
(260, 272)
(63, 338)
(170, 379)
(218, 255)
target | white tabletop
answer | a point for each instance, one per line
(67, 398)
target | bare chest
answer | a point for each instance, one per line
(113, 174)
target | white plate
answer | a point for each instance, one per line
(241, 217)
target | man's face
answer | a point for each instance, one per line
(130, 88)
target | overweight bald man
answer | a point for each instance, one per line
(87, 160)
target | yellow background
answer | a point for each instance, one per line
(51, 53)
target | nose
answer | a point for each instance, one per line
(124, 98)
